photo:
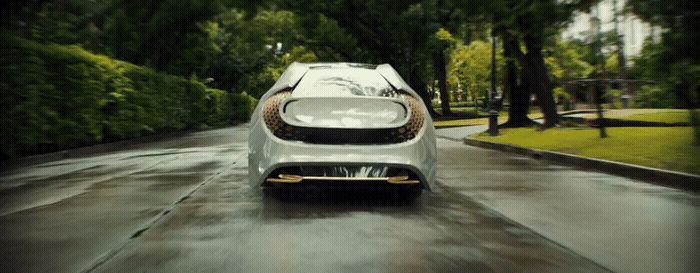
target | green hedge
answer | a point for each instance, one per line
(54, 97)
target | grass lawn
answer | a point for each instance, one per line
(502, 117)
(659, 147)
(645, 114)
(675, 116)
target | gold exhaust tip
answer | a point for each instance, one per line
(401, 180)
(286, 178)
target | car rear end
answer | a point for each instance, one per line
(342, 127)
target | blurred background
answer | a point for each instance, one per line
(79, 72)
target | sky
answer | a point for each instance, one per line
(632, 29)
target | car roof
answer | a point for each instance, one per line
(296, 71)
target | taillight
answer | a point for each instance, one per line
(415, 123)
(271, 112)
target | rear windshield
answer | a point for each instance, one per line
(344, 82)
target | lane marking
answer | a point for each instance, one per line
(105, 257)
(80, 190)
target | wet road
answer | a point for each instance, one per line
(184, 205)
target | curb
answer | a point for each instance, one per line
(679, 180)
(10, 164)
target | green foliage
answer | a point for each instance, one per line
(611, 63)
(470, 69)
(675, 62)
(247, 57)
(398, 33)
(560, 94)
(566, 62)
(262, 81)
(63, 96)
(168, 35)
(209, 39)
(650, 65)
(442, 39)
(234, 41)
(654, 96)
(51, 21)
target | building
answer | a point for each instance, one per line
(633, 30)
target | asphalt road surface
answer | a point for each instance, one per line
(184, 205)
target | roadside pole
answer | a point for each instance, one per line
(493, 113)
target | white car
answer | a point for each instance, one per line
(342, 125)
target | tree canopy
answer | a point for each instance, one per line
(436, 45)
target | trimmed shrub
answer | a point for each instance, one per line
(56, 97)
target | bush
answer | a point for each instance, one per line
(652, 96)
(55, 97)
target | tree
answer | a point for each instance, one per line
(388, 32)
(530, 23)
(649, 66)
(680, 54)
(441, 41)
(470, 66)
(519, 92)
(167, 35)
(537, 21)
(565, 61)
(234, 42)
(443, 19)
(261, 82)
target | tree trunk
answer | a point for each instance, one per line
(469, 36)
(418, 85)
(692, 99)
(695, 122)
(519, 95)
(441, 75)
(541, 83)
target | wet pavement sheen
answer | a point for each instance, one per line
(184, 205)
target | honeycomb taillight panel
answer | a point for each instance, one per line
(271, 113)
(273, 121)
(415, 123)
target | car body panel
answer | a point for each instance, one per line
(268, 152)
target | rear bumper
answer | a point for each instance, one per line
(268, 153)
